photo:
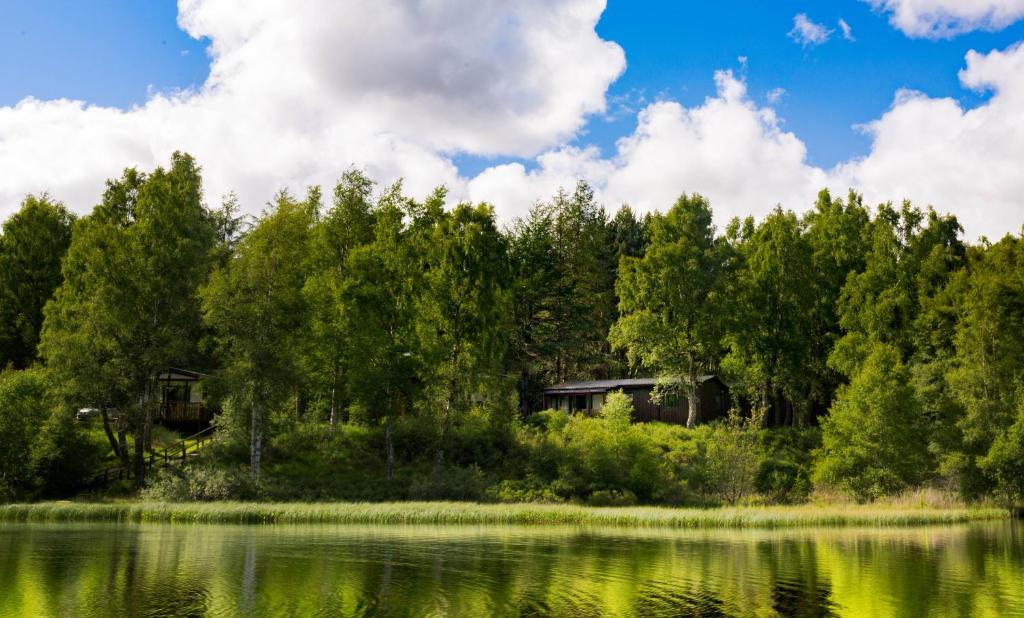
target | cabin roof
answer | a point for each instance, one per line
(176, 374)
(603, 386)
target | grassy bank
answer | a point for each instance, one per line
(505, 514)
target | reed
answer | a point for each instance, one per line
(405, 513)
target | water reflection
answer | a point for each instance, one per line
(164, 570)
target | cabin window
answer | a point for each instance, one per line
(671, 400)
(580, 402)
(176, 393)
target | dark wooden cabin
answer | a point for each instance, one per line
(588, 397)
(182, 402)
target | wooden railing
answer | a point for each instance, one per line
(183, 411)
(154, 459)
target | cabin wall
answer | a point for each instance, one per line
(673, 408)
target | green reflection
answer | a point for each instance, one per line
(168, 570)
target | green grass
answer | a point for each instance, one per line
(503, 514)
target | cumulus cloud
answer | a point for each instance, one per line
(807, 32)
(728, 149)
(298, 91)
(297, 94)
(847, 30)
(967, 162)
(937, 19)
(739, 155)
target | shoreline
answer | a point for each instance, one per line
(470, 513)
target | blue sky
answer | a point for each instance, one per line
(115, 52)
(367, 84)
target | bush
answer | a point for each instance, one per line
(526, 490)
(200, 483)
(43, 450)
(64, 456)
(24, 407)
(453, 483)
(874, 441)
(783, 482)
(1004, 462)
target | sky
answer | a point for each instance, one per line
(750, 103)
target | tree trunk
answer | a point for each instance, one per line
(256, 439)
(389, 447)
(693, 417)
(122, 443)
(439, 456)
(334, 396)
(114, 446)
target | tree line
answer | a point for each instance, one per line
(882, 325)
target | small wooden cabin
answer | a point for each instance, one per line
(588, 397)
(181, 400)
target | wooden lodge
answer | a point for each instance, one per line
(588, 397)
(182, 404)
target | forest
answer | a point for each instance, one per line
(369, 345)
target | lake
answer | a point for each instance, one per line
(205, 570)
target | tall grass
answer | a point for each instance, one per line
(503, 514)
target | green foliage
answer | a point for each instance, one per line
(128, 307)
(670, 299)
(24, 407)
(63, 456)
(988, 368)
(257, 312)
(200, 483)
(1004, 462)
(771, 311)
(32, 244)
(874, 441)
(386, 347)
(618, 409)
(734, 457)
(563, 258)
(43, 451)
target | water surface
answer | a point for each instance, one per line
(204, 570)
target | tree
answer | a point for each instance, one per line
(671, 302)
(536, 289)
(257, 311)
(128, 309)
(32, 246)
(772, 313)
(461, 312)
(987, 370)
(348, 225)
(377, 309)
(24, 407)
(839, 235)
(1004, 462)
(906, 263)
(584, 310)
(874, 440)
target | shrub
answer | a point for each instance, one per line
(24, 407)
(1004, 462)
(874, 441)
(64, 456)
(454, 483)
(200, 483)
(733, 457)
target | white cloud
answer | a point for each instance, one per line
(727, 149)
(774, 96)
(847, 30)
(808, 33)
(967, 162)
(299, 91)
(928, 150)
(937, 19)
